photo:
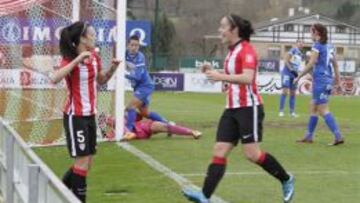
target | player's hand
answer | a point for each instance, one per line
(205, 67)
(296, 80)
(83, 55)
(115, 63)
(213, 75)
(224, 86)
(337, 81)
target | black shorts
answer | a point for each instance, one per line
(244, 123)
(80, 134)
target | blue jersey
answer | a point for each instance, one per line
(323, 73)
(138, 74)
(295, 60)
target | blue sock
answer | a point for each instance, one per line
(131, 118)
(331, 123)
(311, 127)
(156, 117)
(292, 103)
(282, 102)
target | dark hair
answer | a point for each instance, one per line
(134, 37)
(322, 32)
(70, 39)
(244, 26)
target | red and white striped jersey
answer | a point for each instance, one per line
(81, 84)
(241, 56)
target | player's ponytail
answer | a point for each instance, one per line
(244, 26)
(70, 39)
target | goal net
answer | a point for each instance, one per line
(29, 50)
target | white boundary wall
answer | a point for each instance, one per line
(24, 178)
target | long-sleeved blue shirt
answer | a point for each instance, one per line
(138, 73)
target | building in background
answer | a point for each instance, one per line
(275, 37)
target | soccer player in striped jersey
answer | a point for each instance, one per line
(293, 61)
(322, 63)
(243, 117)
(141, 82)
(81, 68)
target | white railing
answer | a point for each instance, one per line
(24, 178)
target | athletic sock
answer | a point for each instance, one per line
(282, 102)
(156, 117)
(178, 130)
(67, 178)
(273, 167)
(313, 120)
(79, 184)
(214, 174)
(331, 123)
(292, 103)
(131, 118)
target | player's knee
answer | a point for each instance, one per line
(221, 150)
(252, 156)
(144, 113)
(285, 92)
(83, 163)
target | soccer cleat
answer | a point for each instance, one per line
(337, 142)
(128, 136)
(305, 141)
(281, 114)
(294, 115)
(288, 189)
(195, 196)
(196, 134)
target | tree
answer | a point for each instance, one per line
(165, 34)
(346, 11)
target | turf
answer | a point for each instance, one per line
(322, 173)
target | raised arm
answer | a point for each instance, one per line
(62, 72)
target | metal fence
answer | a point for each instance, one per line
(24, 178)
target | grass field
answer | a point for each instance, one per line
(323, 174)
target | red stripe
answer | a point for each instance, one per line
(262, 158)
(219, 160)
(243, 95)
(79, 171)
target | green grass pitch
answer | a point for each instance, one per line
(323, 174)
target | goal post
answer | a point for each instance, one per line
(120, 79)
(29, 51)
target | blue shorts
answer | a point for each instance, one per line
(144, 95)
(287, 81)
(321, 93)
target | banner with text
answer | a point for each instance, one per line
(25, 31)
(168, 81)
(197, 82)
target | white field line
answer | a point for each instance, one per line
(180, 180)
(305, 172)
